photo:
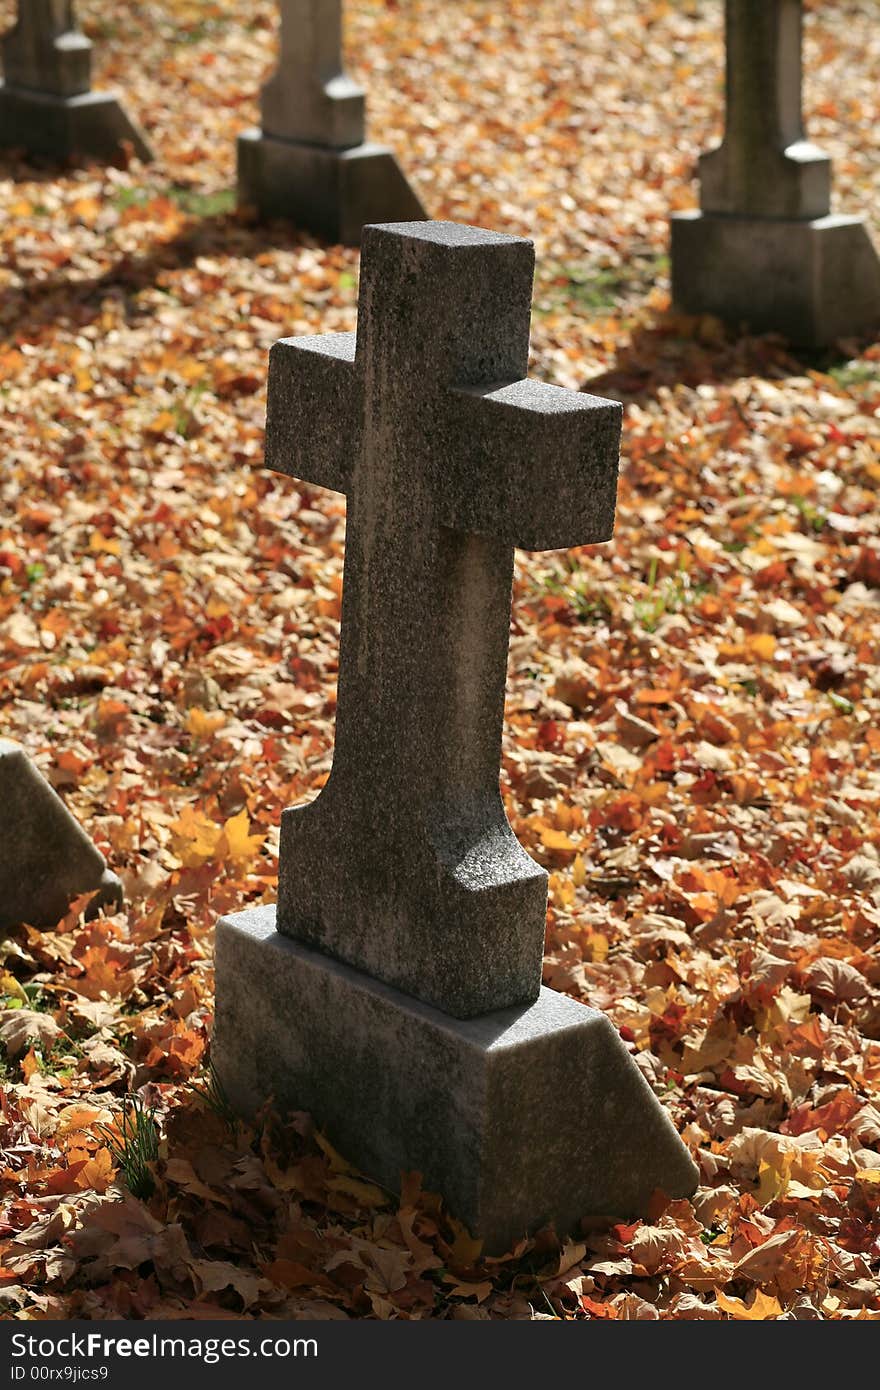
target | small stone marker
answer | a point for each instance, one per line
(310, 162)
(765, 250)
(47, 857)
(395, 991)
(47, 106)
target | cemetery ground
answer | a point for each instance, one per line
(691, 745)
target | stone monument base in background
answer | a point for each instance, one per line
(332, 193)
(519, 1118)
(813, 281)
(93, 124)
(47, 859)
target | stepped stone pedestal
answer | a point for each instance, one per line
(521, 1117)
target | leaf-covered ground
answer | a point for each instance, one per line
(692, 743)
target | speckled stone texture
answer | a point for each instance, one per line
(47, 857)
(46, 105)
(530, 1115)
(764, 252)
(405, 866)
(309, 162)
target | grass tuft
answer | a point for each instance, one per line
(134, 1145)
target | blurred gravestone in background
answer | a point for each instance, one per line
(47, 106)
(47, 858)
(765, 250)
(310, 162)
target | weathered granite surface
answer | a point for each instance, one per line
(449, 456)
(46, 103)
(47, 857)
(310, 162)
(765, 166)
(815, 282)
(531, 1115)
(764, 251)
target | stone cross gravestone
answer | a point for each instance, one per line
(47, 106)
(310, 162)
(47, 857)
(764, 249)
(395, 990)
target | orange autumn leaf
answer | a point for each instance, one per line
(761, 1309)
(662, 695)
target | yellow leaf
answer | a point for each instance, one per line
(164, 423)
(558, 841)
(203, 723)
(578, 872)
(195, 837)
(101, 544)
(191, 369)
(761, 1308)
(87, 210)
(762, 645)
(773, 1181)
(240, 846)
(597, 945)
(11, 986)
(561, 890)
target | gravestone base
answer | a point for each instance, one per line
(813, 281)
(92, 125)
(47, 857)
(331, 193)
(522, 1117)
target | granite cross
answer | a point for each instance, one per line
(521, 1106)
(405, 865)
(309, 97)
(765, 166)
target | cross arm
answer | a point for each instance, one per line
(533, 464)
(313, 417)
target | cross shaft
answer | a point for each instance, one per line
(405, 865)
